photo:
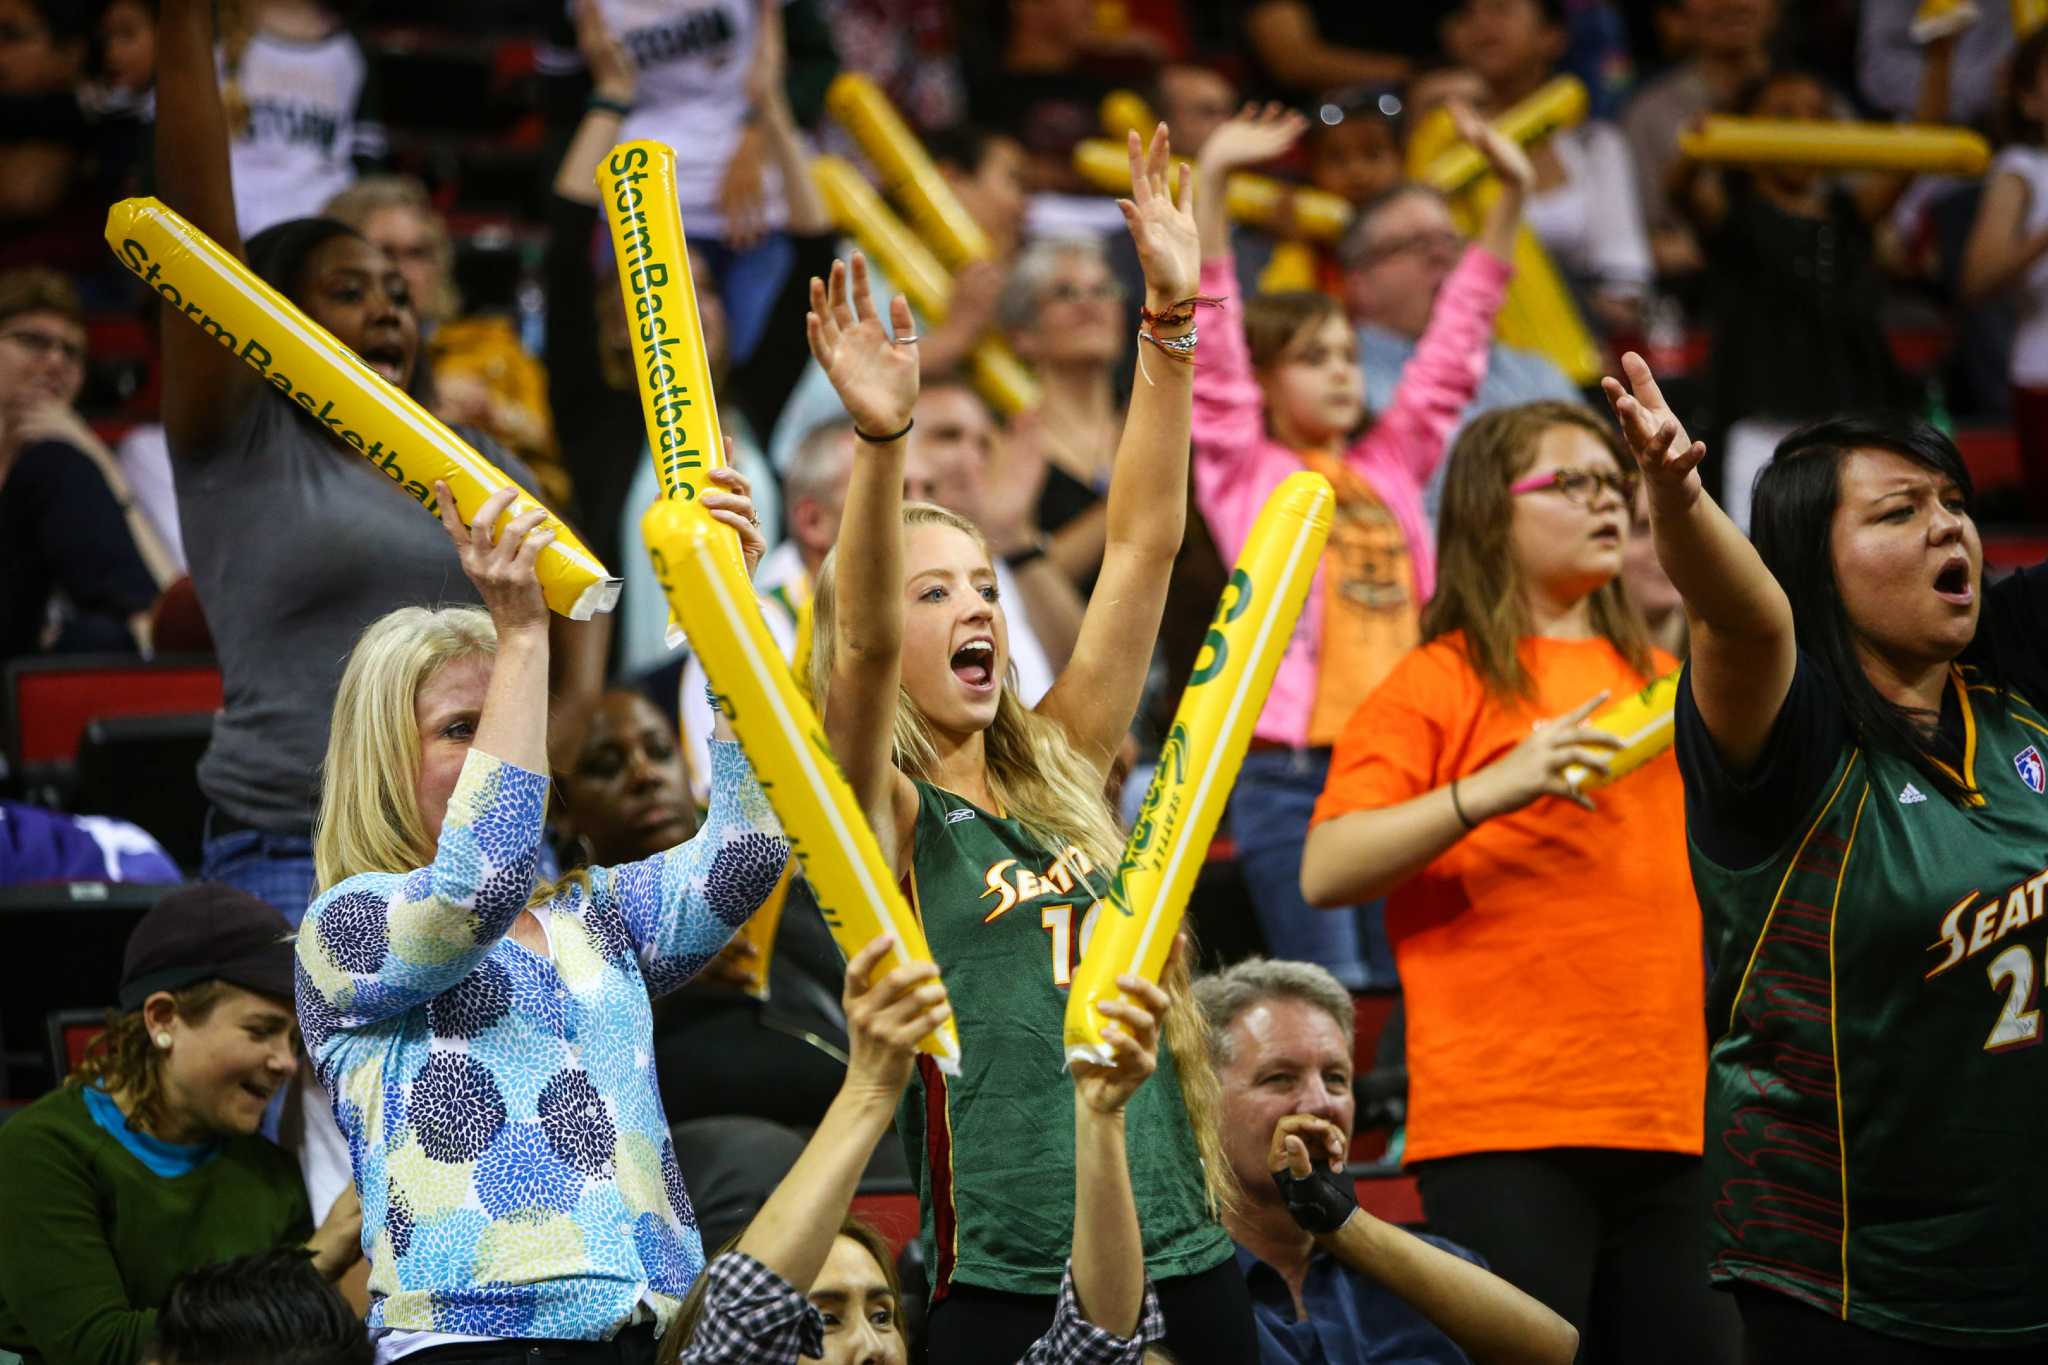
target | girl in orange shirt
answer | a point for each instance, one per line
(1548, 942)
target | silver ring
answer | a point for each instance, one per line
(910, 340)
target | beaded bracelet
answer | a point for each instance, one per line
(1177, 313)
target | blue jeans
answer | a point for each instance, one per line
(273, 867)
(748, 284)
(1269, 813)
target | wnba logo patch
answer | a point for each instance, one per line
(2031, 770)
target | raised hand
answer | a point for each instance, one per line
(1509, 162)
(502, 569)
(612, 73)
(1536, 767)
(1255, 134)
(885, 1020)
(1668, 457)
(876, 378)
(1162, 228)
(1133, 1035)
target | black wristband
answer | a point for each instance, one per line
(884, 440)
(1321, 1201)
(610, 106)
(1030, 554)
(1458, 808)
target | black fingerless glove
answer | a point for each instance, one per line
(1321, 1201)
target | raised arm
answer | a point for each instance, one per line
(1229, 411)
(614, 80)
(1450, 360)
(205, 386)
(877, 381)
(2000, 249)
(1489, 1319)
(382, 942)
(768, 95)
(1743, 650)
(1290, 45)
(1877, 194)
(1097, 695)
(1108, 1264)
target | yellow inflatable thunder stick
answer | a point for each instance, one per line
(786, 745)
(301, 360)
(1938, 19)
(1539, 313)
(1837, 145)
(1212, 728)
(1258, 200)
(906, 170)
(1558, 103)
(2028, 15)
(671, 369)
(910, 264)
(1124, 112)
(1642, 722)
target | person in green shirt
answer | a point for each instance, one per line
(146, 1162)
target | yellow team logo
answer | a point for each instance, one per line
(1013, 884)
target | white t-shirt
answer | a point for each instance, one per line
(692, 56)
(2029, 366)
(1593, 223)
(307, 125)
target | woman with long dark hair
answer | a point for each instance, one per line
(1548, 943)
(1863, 766)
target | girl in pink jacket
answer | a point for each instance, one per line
(1280, 389)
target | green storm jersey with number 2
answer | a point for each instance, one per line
(1877, 1104)
(993, 1148)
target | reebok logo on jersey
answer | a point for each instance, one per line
(2027, 762)
(954, 817)
(1911, 796)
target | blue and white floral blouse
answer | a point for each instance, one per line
(501, 1109)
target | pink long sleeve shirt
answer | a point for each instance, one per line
(1238, 465)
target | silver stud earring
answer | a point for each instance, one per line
(163, 1040)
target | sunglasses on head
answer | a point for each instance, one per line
(1582, 486)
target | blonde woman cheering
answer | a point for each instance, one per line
(994, 815)
(488, 1041)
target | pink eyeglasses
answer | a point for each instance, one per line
(1581, 485)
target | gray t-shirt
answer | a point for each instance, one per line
(296, 544)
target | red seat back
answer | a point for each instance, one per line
(51, 700)
(894, 1216)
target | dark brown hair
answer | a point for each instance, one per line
(677, 1339)
(1478, 584)
(34, 289)
(125, 1061)
(1273, 321)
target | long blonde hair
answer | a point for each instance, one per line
(1040, 781)
(369, 818)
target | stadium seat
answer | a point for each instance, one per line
(51, 699)
(71, 1033)
(64, 945)
(144, 769)
(1390, 1198)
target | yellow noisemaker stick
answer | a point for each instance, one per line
(1258, 200)
(786, 746)
(1212, 729)
(906, 170)
(1642, 721)
(1836, 145)
(911, 266)
(1558, 103)
(671, 368)
(363, 410)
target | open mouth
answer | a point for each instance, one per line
(974, 663)
(1608, 534)
(1952, 584)
(387, 360)
(260, 1093)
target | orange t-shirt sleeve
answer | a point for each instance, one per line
(1392, 747)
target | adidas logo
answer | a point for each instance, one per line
(1911, 796)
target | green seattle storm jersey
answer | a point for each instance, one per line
(1878, 1098)
(993, 1148)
